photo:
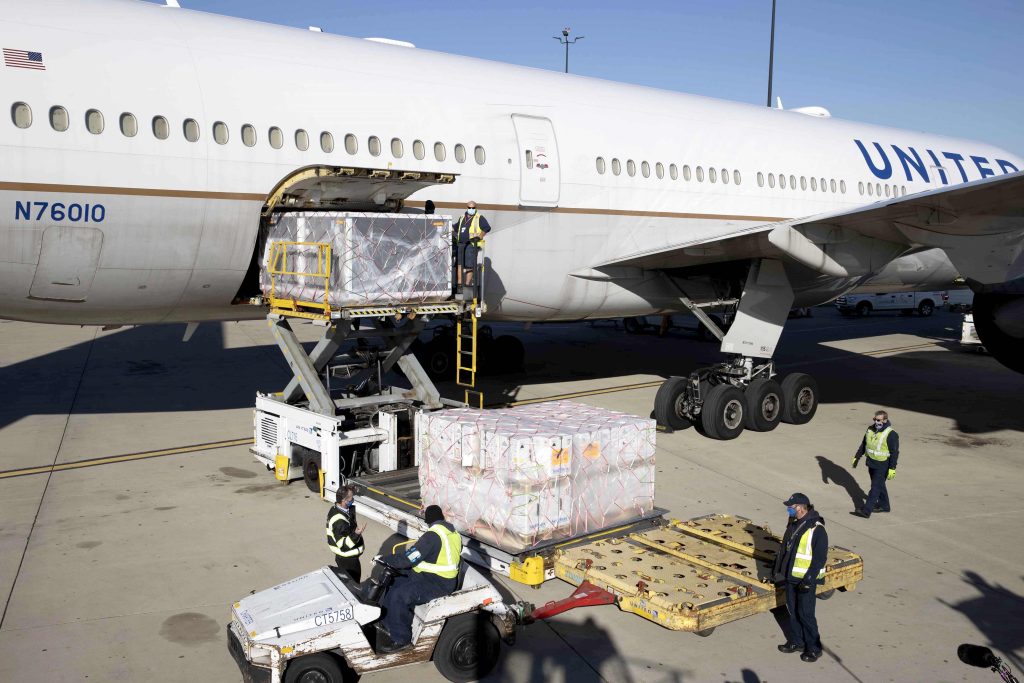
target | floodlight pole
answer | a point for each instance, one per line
(771, 57)
(564, 40)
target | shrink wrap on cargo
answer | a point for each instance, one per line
(522, 477)
(376, 259)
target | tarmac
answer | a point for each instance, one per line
(123, 568)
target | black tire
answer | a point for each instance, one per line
(704, 633)
(311, 472)
(926, 308)
(800, 392)
(315, 668)
(764, 402)
(468, 648)
(668, 404)
(509, 354)
(825, 595)
(631, 325)
(439, 358)
(863, 309)
(722, 413)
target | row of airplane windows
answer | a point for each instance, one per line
(713, 175)
(21, 115)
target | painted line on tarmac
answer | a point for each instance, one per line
(128, 457)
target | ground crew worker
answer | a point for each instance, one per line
(435, 560)
(469, 232)
(344, 538)
(800, 565)
(881, 444)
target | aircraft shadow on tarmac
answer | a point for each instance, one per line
(148, 369)
(998, 613)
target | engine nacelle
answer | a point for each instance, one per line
(999, 321)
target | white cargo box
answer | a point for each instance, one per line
(376, 259)
(522, 477)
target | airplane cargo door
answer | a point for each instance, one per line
(67, 263)
(538, 161)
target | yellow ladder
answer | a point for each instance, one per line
(465, 348)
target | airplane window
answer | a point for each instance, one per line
(373, 145)
(903, 190)
(771, 180)
(129, 126)
(803, 182)
(94, 121)
(631, 167)
(712, 175)
(645, 168)
(616, 167)
(782, 181)
(460, 153)
(160, 128)
(59, 118)
(327, 142)
(191, 130)
(248, 135)
(439, 152)
(871, 190)
(824, 185)
(21, 114)
(479, 154)
(397, 148)
(301, 140)
(659, 170)
(792, 182)
(832, 185)
(860, 188)
(736, 177)
(725, 176)
(276, 137)
(673, 172)
(418, 150)
(600, 165)
(686, 173)
(814, 183)
(700, 174)
(888, 190)
(220, 133)
(842, 186)
(878, 189)
(760, 179)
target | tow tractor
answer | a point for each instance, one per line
(337, 423)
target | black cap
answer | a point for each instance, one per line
(798, 499)
(433, 514)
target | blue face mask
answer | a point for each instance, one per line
(471, 212)
(791, 511)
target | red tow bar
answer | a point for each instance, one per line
(586, 595)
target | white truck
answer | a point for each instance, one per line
(924, 303)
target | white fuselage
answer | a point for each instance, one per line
(179, 219)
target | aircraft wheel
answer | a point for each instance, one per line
(439, 358)
(467, 648)
(669, 404)
(764, 401)
(800, 392)
(722, 414)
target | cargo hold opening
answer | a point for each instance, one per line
(333, 188)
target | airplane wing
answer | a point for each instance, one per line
(979, 224)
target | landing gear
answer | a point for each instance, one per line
(800, 394)
(764, 404)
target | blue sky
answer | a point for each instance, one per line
(939, 66)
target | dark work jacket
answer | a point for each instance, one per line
(343, 528)
(893, 441)
(782, 570)
(425, 549)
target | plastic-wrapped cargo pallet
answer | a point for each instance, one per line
(376, 258)
(520, 477)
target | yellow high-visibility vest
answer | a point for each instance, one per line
(344, 546)
(802, 561)
(876, 444)
(447, 563)
(475, 232)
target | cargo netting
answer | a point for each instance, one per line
(522, 477)
(375, 259)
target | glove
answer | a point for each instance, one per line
(854, 462)
(892, 474)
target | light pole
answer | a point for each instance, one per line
(771, 57)
(564, 40)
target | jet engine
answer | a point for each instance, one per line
(999, 321)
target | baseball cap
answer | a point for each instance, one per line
(798, 499)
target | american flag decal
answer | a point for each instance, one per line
(24, 59)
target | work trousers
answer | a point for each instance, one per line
(802, 622)
(351, 566)
(878, 495)
(401, 599)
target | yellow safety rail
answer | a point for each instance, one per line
(465, 358)
(279, 267)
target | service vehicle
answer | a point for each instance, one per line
(924, 303)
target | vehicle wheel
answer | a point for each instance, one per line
(311, 472)
(316, 668)
(668, 404)
(926, 308)
(509, 353)
(800, 393)
(825, 595)
(704, 633)
(863, 309)
(764, 401)
(467, 648)
(631, 325)
(439, 358)
(722, 414)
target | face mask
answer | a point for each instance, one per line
(791, 511)
(471, 212)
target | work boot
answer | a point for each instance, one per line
(790, 648)
(878, 508)
(858, 513)
(810, 656)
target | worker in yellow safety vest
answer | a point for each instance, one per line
(344, 538)
(881, 444)
(469, 238)
(800, 567)
(435, 561)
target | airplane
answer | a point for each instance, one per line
(146, 145)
